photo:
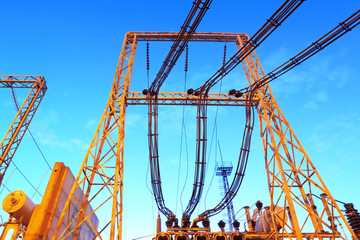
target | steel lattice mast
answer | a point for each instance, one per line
(20, 124)
(290, 171)
(101, 174)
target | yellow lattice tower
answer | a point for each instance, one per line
(292, 177)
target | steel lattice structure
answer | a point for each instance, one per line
(101, 174)
(290, 171)
(20, 124)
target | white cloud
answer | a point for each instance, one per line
(310, 105)
(318, 73)
(320, 96)
(91, 124)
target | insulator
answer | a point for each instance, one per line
(239, 94)
(258, 204)
(224, 58)
(249, 221)
(186, 223)
(236, 224)
(176, 225)
(353, 218)
(168, 223)
(232, 92)
(186, 58)
(206, 223)
(147, 57)
(221, 224)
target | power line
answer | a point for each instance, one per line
(17, 107)
(26, 179)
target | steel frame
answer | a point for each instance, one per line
(20, 124)
(289, 169)
(101, 174)
(172, 98)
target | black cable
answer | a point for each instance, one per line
(26, 179)
(5, 187)
(182, 127)
(7, 179)
(28, 129)
(311, 50)
(281, 14)
(192, 21)
(187, 169)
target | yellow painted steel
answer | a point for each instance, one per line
(290, 172)
(44, 213)
(12, 230)
(19, 125)
(19, 206)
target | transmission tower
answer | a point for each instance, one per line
(26, 112)
(292, 177)
(224, 169)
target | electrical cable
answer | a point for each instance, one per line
(36, 191)
(342, 228)
(17, 109)
(103, 229)
(334, 34)
(5, 187)
(182, 126)
(212, 178)
(241, 167)
(280, 15)
(147, 171)
(40, 183)
(187, 169)
(213, 133)
(200, 162)
(193, 19)
(7, 179)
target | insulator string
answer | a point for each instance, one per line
(147, 64)
(224, 57)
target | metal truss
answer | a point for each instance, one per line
(170, 98)
(293, 179)
(195, 37)
(18, 127)
(101, 174)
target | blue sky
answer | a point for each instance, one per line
(76, 45)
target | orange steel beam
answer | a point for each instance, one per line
(18, 127)
(196, 37)
(177, 98)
